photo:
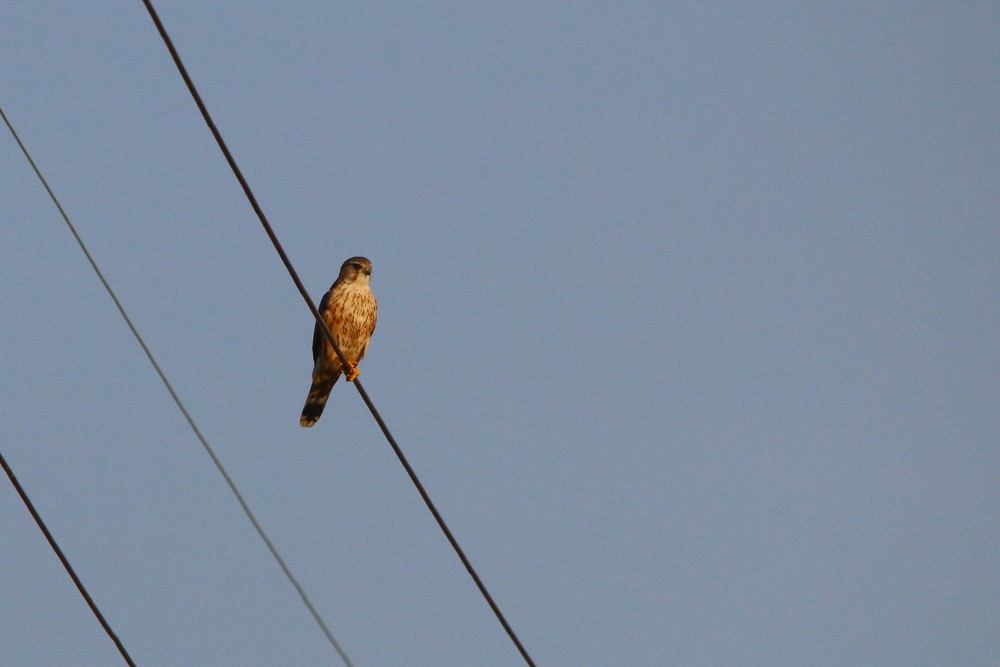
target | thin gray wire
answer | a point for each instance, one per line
(180, 405)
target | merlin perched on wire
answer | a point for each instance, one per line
(349, 310)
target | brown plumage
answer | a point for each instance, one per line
(350, 311)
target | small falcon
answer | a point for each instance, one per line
(349, 310)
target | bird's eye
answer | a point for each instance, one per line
(355, 265)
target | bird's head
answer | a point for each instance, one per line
(356, 270)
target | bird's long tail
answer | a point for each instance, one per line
(318, 394)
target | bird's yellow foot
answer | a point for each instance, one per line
(352, 372)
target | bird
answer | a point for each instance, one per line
(350, 311)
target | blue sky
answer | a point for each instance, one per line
(688, 322)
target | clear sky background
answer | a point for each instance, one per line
(688, 321)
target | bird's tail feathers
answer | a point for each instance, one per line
(318, 395)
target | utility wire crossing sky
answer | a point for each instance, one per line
(687, 317)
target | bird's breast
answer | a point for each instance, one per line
(351, 316)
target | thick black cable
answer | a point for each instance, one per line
(180, 406)
(326, 331)
(62, 558)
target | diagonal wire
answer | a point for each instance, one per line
(326, 331)
(62, 557)
(180, 405)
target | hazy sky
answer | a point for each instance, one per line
(688, 321)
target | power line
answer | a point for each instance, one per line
(20, 490)
(62, 557)
(180, 406)
(326, 331)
